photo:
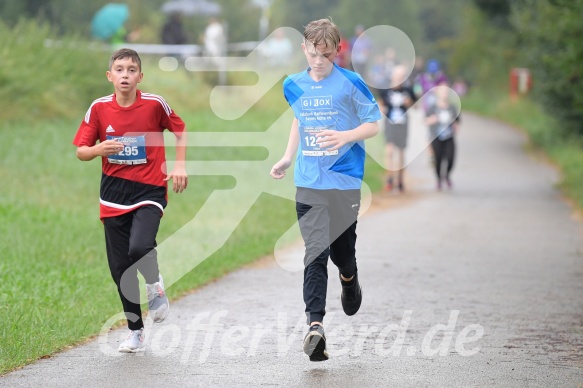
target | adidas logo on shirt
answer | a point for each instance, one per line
(110, 129)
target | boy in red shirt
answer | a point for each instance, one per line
(128, 125)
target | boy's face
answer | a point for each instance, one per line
(442, 92)
(320, 58)
(125, 75)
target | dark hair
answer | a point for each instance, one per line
(124, 53)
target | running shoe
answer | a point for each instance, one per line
(351, 295)
(157, 300)
(134, 342)
(315, 344)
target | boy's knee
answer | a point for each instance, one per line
(316, 257)
(348, 270)
(138, 252)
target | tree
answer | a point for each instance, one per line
(550, 44)
(497, 11)
(298, 13)
(348, 13)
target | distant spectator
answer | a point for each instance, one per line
(361, 48)
(390, 59)
(278, 49)
(214, 39)
(122, 36)
(343, 57)
(173, 31)
(432, 77)
(460, 86)
(415, 75)
(377, 75)
(395, 102)
(443, 121)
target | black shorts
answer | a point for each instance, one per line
(396, 134)
(326, 216)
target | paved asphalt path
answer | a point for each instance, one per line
(481, 286)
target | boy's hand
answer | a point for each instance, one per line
(333, 140)
(179, 178)
(109, 147)
(278, 169)
(430, 120)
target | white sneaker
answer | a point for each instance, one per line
(157, 300)
(134, 343)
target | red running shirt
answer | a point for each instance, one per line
(126, 187)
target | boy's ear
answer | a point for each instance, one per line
(108, 75)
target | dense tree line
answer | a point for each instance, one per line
(549, 39)
(494, 36)
(74, 17)
(479, 40)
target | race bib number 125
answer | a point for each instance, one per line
(309, 145)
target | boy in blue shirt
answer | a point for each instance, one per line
(334, 112)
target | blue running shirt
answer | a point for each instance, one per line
(341, 102)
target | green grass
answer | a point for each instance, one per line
(544, 132)
(40, 82)
(57, 289)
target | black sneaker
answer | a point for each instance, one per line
(315, 344)
(351, 295)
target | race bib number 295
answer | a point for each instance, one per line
(134, 150)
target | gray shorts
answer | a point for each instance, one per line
(396, 134)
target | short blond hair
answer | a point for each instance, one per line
(322, 31)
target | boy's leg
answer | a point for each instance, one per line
(437, 146)
(117, 242)
(343, 210)
(343, 248)
(145, 225)
(312, 212)
(401, 167)
(142, 251)
(450, 154)
(389, 149)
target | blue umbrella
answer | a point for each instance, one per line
(109, 19)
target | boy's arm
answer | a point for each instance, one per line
(178, 174)
(456, 122)
(334, 140)
(409, 98)
(105, 148)
(382, 106)
(431, 116)
(431, 119)
(278, 169)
